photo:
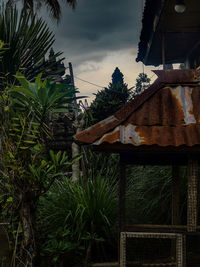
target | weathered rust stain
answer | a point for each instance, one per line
(161, 109)
(94, 132)
(183, 96)
(129, 135)
(134, 104)
(163, 115)
(154, 135)
(111, 137)
(196, 103)
(160, 135)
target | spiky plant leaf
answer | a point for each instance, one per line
(28, 39)
(54, 7)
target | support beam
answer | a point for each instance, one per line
(122, 193)
(122, 197)
(192, 195)
(175, 216)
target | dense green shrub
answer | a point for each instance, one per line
(74, 217)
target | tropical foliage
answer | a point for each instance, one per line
(78, 221)
(78, 218)
(27, 40)
(28, 168)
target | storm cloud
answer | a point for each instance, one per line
(96, 28)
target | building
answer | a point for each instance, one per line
(161, 126)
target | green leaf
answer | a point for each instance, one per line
(25, 84)
(10, 199)
(11, 155)
(21, 90)
(38, 80)
(29, 142)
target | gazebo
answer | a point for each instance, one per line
(161, 126)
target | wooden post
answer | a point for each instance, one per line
(192, 195)
(122, 191)
(175, 216)
(175, 195)
(122, 196)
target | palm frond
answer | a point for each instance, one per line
(31, 6)
(28, 39)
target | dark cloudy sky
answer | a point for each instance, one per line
(97, 37)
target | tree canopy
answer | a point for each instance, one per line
(142, 83)
(117, 77)
(109, 100)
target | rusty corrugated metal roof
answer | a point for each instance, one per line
(166, 114)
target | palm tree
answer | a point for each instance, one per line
(54, 6)
(27, 40)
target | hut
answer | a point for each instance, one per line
(161, 126)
